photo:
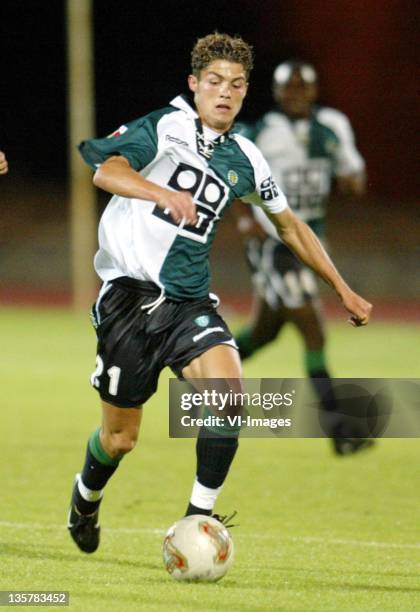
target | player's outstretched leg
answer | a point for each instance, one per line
(216, 447)
(105, 449)
(215, 452)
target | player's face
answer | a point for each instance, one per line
(296, 97)
(219, 93)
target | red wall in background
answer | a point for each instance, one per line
(366, 55)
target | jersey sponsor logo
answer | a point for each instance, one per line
(269, 189)
(210, 196)
(202, 320)
(307, 187)
(232, 177)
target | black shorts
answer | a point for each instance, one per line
(134, 346)
(279, 278)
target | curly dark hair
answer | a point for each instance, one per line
(221, 46)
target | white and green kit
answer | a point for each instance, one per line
(170, 147)
(305, 155)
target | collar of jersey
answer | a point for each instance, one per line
(276, 112)
(185, 104)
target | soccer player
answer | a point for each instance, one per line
(4, 166)
(308, 148)
(173, 173)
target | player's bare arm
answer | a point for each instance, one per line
(298, 236)
(4, 167)
(116, 176)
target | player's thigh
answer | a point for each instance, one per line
(266, 321)
(218, 369)
(220, 361)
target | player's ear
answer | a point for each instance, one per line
(192, 82)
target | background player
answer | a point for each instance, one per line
(308, 148)
(174, 172)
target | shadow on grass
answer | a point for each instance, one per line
(330, 571)
(88, 600)
(293, 575)
(297, 577)
(26, 551)
(353, 586)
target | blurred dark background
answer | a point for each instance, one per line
(365, 53)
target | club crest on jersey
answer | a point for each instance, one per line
(232, 177)
(202, 321)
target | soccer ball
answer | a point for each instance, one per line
(198, 548)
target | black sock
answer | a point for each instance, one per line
(323, 389)
(195, 510)
(95, 474)
(215, 453)
(332, 420)
(214, 457)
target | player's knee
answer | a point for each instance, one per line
(120, 442)
(313, 336)
(316, 340)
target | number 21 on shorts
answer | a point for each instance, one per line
(113, 373)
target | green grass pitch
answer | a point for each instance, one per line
(316, 532)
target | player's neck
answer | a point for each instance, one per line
(295, 116)
(214, 128)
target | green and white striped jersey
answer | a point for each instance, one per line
(140, 240)
(304, 156)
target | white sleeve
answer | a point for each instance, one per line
(267, 193)
(348, 159)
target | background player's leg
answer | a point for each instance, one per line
(309, 322)
(215, 448)
(264, 328)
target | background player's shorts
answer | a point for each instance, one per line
(278, 276)
(134, 346)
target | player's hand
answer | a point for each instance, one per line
(4, 167)
(180, 205)
(359, 309)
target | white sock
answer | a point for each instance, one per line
(203, 497)
(88, 494)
